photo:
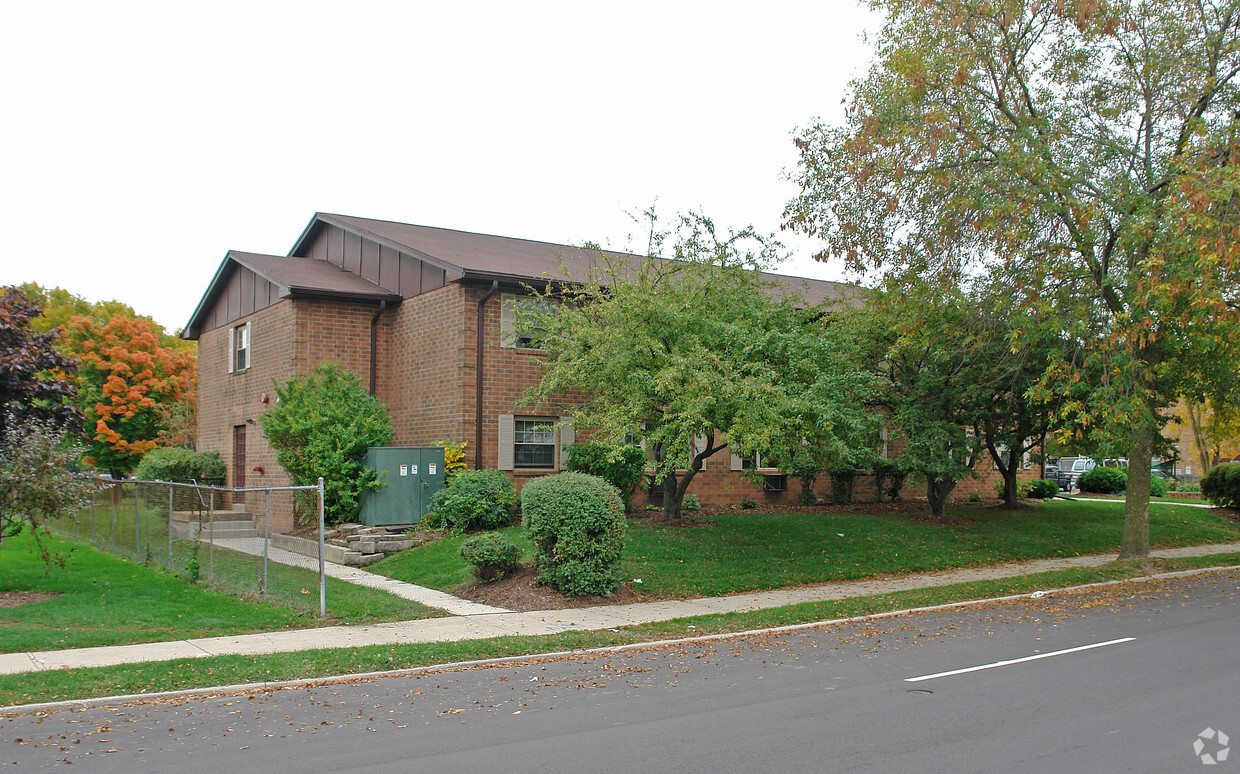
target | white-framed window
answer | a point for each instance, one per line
(239, 348)
(655, 453)
(508, 336)
(754, 462)
(1026, 461)
(534, 443)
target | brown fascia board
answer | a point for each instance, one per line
(190, 331)
(452, 272)
(512, 281)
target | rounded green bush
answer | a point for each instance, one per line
(1042, 489)
(576, 523)
(175, 463)
(1158, 487)
(476, 499)
(1221, 485)
(492, 554)
(1103, 481)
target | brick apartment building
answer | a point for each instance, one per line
(424, 316)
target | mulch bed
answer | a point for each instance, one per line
(521, 592)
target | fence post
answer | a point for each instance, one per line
(266, 535)
(322, 567)
(137, 523)
(210, 542)
(116, 493)
(171, 490)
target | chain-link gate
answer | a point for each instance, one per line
(213, 535)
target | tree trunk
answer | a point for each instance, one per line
(1011, 489)
(937, 491)
(1137, 500)
(1199, 439)
(674, 493)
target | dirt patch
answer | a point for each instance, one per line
(521, 592)
(1232, 514)
(19, 598)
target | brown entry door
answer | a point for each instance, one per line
(239, 462)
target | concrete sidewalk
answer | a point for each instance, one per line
(414, 593)
(484, 625)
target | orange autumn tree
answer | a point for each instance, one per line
(130, 387)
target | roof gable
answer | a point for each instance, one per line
(247, 282)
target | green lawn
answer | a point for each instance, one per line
(749, 552)
(104, 599)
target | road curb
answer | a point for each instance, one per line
(264, 687)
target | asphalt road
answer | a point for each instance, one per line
(861, 697)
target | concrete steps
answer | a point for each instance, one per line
(223, 525)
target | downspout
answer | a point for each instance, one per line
(478, 379)
(374, 345)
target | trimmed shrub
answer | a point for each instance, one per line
(1158, 487)
(1221, 485)
(174, 463)
(1042, 489)
(492, 554)
(691, 503)
(1024, 489)
(576, 523)
(1102, 480)
(623, 467)
(476, 499)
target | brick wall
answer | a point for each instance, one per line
(287, 338)
(426, 377)
(424, 382)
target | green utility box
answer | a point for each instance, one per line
(413, 475)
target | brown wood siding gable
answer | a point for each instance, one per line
(385, 266)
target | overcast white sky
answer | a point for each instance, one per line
(144, 140)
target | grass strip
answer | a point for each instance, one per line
(232, 670)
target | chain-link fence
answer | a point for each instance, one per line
(231, 539)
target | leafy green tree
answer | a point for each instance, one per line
(692, 355)
(38, 482)
(1011, 349)
(1085, 148)
(321, 425)
(35, 378)
(920, 348)
(59, 306)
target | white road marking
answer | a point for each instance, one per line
(1009, 662)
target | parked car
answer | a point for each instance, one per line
(1077, 468)
(1061, 479)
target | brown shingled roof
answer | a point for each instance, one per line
(487, 256)
(309, 276)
